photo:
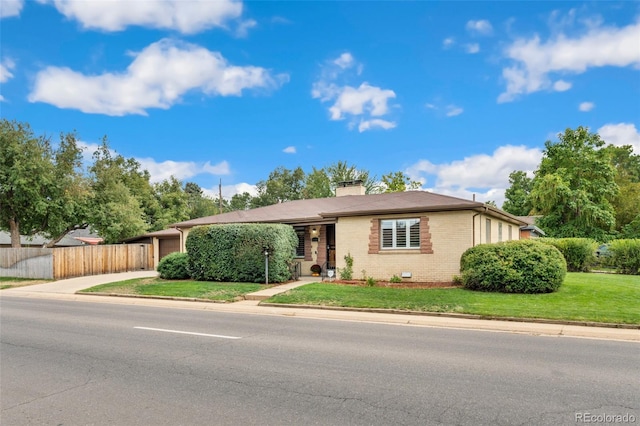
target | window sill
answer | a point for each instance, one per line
(400, 251)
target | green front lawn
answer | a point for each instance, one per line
(12, 282)
(582, 297)
(227, 292)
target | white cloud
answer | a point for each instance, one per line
(453, 110)
(357, 101)
(482, 27)
(376, 122)
(9, 8)
(533, 60)
(472, 48)
(360, 103)
(621, 134)
(448, 42)
(187, 17)
(586, 106)
(5, 72)
(345, 60)
(449, 110)
(289, 150)
(243, 27)
(157, 78)
(486, 175)
(561, 86)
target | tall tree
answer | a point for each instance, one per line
(116, 211)
(282, 185)
(318, 184)
(240, 202)
(517, 201)
(173, 202)
(574, 186)
(627, 202)
(41, 188)
(398, 182)
(343, 171)
(199, 205)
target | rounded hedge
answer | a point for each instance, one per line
(174, 266)
(519, 266)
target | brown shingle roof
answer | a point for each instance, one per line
(323, 209)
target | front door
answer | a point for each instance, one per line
(331, 247)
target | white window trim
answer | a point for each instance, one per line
(394, 236)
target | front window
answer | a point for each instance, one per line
(499, 231)
(488, 233)
(400, 233)
(300, 248)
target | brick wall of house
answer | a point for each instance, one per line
(444, 237)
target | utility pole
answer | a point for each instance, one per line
(220, 196)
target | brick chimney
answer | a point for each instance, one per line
(350, 187)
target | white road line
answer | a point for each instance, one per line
(188, 332)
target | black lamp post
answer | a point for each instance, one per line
(266, 264)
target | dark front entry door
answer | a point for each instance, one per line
(331, 247)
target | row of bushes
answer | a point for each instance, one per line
(539, 266)
(580, 254)
(233, 253)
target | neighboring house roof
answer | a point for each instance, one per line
(319, 210)
(164, 233)
(77, 237)
(530, 220)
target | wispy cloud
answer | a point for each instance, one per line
(586, 106)
(289, 150)
(481, 27)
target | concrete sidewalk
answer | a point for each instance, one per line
(72, 285)
(65, 290)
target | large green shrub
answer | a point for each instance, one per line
(174, 266)
(578, 252)
(235, 252)
(519, 266)
(625, 256)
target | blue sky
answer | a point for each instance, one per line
(455, 94)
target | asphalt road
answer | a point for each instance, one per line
(78, 363)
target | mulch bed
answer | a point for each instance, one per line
(361, 283)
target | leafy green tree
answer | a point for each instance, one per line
(41, 189)
(281, 186)
(198, 204)
(173, 202)
(240, 202)
(318, 185)
(398, 182)
(517, 196)
(627, 177)
(574, 186)
(116, 211)
(343, 171)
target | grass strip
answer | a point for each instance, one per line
(227, 292)
(603, 298)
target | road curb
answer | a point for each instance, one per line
(460, 316)
(142, 296)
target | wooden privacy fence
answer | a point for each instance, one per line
(67, 262)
